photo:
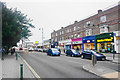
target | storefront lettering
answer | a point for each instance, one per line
(102, 40)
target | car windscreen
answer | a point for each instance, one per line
(96, 53)
(54, 50)
(73, 50)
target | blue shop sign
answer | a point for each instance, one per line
(89, 39)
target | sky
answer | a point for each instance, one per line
(54, 14)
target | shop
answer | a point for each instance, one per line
(105, 42)
(77, 43)
(89, 43)
(65, 44)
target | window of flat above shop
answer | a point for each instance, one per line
(78, 27)
(78, 35)
(67, 30)
(62, 38)
(103, 18)
(60, 32)
(56, 34)
(75, 28)
(88, 32)
(70, 30)
(88, 23)
(75, 35)
(55, 39)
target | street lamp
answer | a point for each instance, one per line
(42, 35)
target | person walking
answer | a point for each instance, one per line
(3, 52)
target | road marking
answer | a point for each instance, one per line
(37, 76)
(33, 71)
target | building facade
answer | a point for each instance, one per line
(106, 21)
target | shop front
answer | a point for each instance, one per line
(77, 43)
(105, 42)
(65, 44)
(89, 43)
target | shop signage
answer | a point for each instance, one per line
(77, 42)
(88, 41)
(36, 42)
(105, 40)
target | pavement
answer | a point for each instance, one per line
(102, 71)
(0, 68)
(11, 67)
(109, 56)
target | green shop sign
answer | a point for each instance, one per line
(106, 37)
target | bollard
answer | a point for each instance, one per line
(16, 56)
(21, 71)
(93, 60)
(113, 55)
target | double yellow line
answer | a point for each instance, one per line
(33, 71)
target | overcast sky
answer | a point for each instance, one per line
(54, 14)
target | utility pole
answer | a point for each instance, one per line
(42, 35)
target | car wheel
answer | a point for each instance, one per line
(51, 54)
(66, 54)
(82, 57)
(71, 55)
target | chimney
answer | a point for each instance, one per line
(75, 21)
(99, 11)
(54, 30)
(61, 27)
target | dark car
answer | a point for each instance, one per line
(44, 50)
(73, 52)
(53, 51)
(89, 53)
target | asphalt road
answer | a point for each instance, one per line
(61, 66)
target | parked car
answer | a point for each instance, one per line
(44, 50)
(40, 50)
(31, 49)
(53, 51)
(20, 48)
(89, 53)
(36, 49)
(72, 52)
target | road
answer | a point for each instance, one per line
(61, 66)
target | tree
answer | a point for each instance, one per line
(15, 26)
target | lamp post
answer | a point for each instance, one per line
(42, 35)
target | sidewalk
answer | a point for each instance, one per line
(102, 71)
(11, 68)
(109, 56)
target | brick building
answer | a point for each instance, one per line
(103, 22)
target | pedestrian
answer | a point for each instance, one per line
(2, 51)
(12, 51)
